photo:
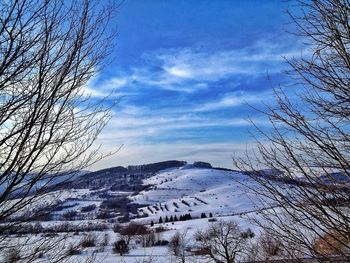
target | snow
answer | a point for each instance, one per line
(196, 191)
(172, 192)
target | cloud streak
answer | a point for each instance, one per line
(232, 100)
(189, 70)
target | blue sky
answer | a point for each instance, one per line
(184, 72)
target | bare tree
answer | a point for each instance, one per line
(224, 242)
(308, 144)
(49, 49)
(178, 245)
(132, 231)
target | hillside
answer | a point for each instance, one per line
(184, 197)
(196, 191)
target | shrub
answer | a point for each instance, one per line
(133, 229)
(121, 247)
(104, 215)
(333, 242)
(115, 203)
(160, 229)
(148, 239)
(12, 255)
(270, 244)
(161, 242)
(69, 215)
(125, 218)
(178, 246)
(88, 241)
(88, 208)
(185, 203)
(117, 228)
(66, 227)
(44, 217)
(248, 233)
(72, 250)
(105, 240)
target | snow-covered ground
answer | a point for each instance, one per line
(196, 191)
(221, 194)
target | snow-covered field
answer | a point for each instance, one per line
(220, 194)
(196, 191)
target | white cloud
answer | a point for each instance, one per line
(190, 70)
(232, 100)
(179, 72)
(96, 93)
(115, 83)
(207, 65)
(107, 88)
(141, 128)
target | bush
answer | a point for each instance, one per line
(69, 215)
(44, 217)
(248, 233)
(88, 241)
(160, 229)
(72, 250)
(332, 243)
(117, 228)
(88, 208)
(115, 203)
(125, 218)
(66, 227)
(105, 215)
(270, 245)
(105, 240)
(120, 247)
(12, 255)
(149, 239)
(24, 229)
(178, 246)
(133, 229)
(185, 203)
(161, 243)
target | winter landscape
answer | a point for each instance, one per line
(174, 131)
(146, 205)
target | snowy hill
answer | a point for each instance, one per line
(196, 191)
(121, 194)
(101, 202)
